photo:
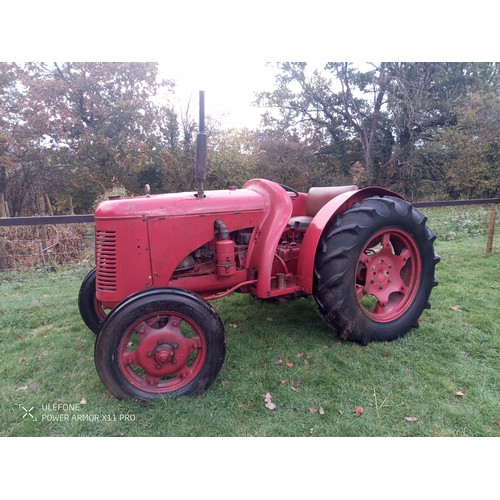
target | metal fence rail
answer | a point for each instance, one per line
(456, 203)
(45, 220)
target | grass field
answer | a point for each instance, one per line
(439, 380)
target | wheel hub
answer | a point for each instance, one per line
(381, 280)
(165, 353)
(380, 273)
(162, 351)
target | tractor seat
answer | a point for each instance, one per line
(317, 198)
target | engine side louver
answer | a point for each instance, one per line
(106, 260)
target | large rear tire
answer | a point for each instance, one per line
(374, 270)
(160, 342)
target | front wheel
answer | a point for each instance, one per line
(91, 310)
(374, 270)
(161, 342)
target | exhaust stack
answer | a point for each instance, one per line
(201, 149)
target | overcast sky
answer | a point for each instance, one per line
(229, 87)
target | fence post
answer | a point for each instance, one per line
(43, 232)
(3, 264)
(3, 213)
(3, 255)
(491, 229)
(49, 205)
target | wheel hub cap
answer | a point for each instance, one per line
(164, 353)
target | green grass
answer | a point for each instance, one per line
(443, 375)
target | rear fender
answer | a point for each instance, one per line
(334, 207)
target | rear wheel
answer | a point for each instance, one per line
(161, 342)
(374, 270)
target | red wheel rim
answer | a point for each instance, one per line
(388, 275)
(161, 352)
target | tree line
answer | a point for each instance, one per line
(72, 132)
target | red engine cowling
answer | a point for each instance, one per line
(173, 240)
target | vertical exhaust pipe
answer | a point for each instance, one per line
(201, 149)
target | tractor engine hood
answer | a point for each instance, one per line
(181, 204)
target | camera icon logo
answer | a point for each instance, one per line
(27, 413)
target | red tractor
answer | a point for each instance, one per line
(366, 256)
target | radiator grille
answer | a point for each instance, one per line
(106, 260)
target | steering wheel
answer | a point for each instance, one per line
(289, 190)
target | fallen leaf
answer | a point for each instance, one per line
(22, 388)
(319, 410)
(269, 319)
(459, 394)
(80, 346)
(233, 325)
(296, 384)
(289, 364)
(455, 308)
(21, 360)
(411, 419)
(358, 411)
(268, 402)
(283, 382)
(306, 361)
(83, 401)
(278, 362)
(299, 355)
(42, 355)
